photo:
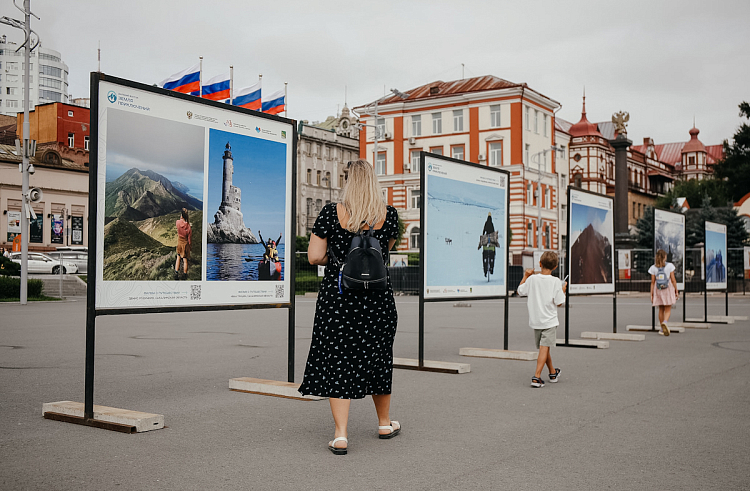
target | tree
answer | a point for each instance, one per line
(401, 232)
(694, 191)
(645, 226)
(302, 242)
(737, 235)
(734, 169)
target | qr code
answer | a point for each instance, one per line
(279, 291)
(195, 292)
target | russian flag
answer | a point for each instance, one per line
(186, 81)
(249, 98)
(274, 103)
(217, 88)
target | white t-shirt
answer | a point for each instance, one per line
(545, 294)
(668, 268)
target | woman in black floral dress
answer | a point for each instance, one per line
(351, 353)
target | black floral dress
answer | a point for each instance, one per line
(351, 353)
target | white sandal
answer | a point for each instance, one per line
(336, 450)
(393, 432)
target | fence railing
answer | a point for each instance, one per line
(405, 279)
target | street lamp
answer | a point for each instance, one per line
(374, 114)
(538, 192)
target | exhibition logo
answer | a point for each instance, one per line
(112, 97)
(257, 129)
(228, 122)
(190, 115)
(429, 167)
(283, 134)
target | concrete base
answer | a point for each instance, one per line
(274, 388)
(431, 366)
(715, 319)
(137, 421)
(585, 343)
(611, 336)
(499, 353)
(694, 325)
(672, 328)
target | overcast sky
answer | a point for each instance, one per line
(663, 61)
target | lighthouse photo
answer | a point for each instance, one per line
(246, 198)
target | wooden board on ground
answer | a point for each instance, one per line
(431, 366)
(499, 353)
(104, 417)
(714, 319)
(612, 336)
(274, 388)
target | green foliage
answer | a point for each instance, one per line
(694, 190)
(737, 235)
(302, 242)
(734, 169)
(306, 280)
(645, 227)
(11, 287)
(401, 232)
(8, 267)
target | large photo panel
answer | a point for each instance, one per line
(464, 236)
(669, 236)
(591, 258)
(183, 190)
(716, 256)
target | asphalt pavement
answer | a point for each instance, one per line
(668, 413)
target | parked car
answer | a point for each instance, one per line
(42, 263)
(79, 258)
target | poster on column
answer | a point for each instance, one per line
(716, 256)
(669, 236)
(14, 224)
(36, 229)
(194, 201)
(464, 245)
(57, 229)
(591, 263)
(76, 224)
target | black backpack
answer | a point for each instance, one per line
(364, 267)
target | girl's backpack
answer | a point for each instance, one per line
(364, 267)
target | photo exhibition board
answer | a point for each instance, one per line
(464, 233)
(669, 236)
(716, 256)
(162, 157)
(591, 254)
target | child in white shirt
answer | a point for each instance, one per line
(545, 293)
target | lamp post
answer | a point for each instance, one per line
(374, 114)
(28, 146)
(538, 192)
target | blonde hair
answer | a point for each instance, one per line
(660, 259)
(363, 198)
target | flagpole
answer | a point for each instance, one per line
(231, 84)
(200, 77)
(286, 103)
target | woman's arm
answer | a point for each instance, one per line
(653, 282)
(317, 251)
(674, 282)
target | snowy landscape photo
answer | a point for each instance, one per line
(716, 256)
(464, 235)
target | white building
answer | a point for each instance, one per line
(48, 77)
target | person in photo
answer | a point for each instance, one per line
(184, 243)
(488, 248)
(351, 352)
(663, 288)
(545, 293)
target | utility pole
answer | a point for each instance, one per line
(27, 148)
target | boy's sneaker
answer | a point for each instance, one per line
(537, 382)
(554, 377)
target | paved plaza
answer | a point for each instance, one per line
(666, 413)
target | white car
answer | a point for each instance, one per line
(42, 263)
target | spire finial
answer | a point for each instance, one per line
(584, 101)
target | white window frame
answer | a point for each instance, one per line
(496, 116)
(414, 235)
(547, 198)
(458, 121)
(86, 140)
(526, 154)
(380, 164)
(70, 114)
(546, 132)
(416, 125)
(529, 194)
(530, 234)
(495, 152)
(381, 128)
(457, 155)
(528, 118)
(414, 156)
(536, 121)
(415, 198)
(437, 123)
(71, 140)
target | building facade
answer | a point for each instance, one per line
(48, 77)
(64, 127)
(65, 188)
(485, 120)
(322, 153)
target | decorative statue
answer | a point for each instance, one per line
(619, 119)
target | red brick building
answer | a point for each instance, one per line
(63, 128)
